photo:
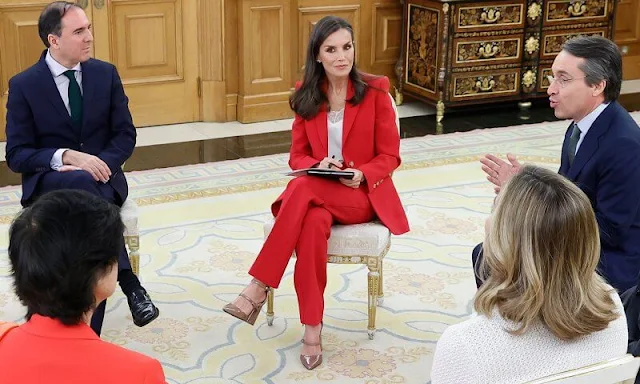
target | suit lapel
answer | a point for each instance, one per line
(564, 155)
(50, 88)
(88, 89)
(350, 113)
(322, 129)
(590, 142)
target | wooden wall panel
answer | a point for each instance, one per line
(154, 45)
(20, 46)
(309, 16)
(249, 54)
(140, 58)
(386, 34)
(265, 59)
(266, 78)
(627, 36)
(232, 58)
(211, 34)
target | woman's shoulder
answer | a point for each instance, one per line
(473, 326)
(379, 82)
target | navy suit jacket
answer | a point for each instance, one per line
(38, 123)
(607, 169)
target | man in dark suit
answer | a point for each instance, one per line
(69, 127)
(600, 152)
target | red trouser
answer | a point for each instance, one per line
(304, 214)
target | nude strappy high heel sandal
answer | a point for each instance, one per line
(250, 317)
(312, 361)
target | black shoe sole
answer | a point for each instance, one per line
(142, 324)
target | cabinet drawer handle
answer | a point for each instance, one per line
(485, 84)
(577, 8)
(488, 50)
(490, 15)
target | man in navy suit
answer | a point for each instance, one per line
(69, 127)
(600, 152)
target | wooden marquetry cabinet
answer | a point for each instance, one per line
(466, 52)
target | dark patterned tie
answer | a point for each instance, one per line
(573, 142)
(75, 98)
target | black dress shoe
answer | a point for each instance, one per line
(142, 308)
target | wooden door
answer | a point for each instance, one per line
(627, 36)
(154, 45)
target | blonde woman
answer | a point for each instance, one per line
(543, 309)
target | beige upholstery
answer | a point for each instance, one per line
(129, 214)
(366, 244)
(622, 370)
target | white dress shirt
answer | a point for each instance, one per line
(62, 83)
(587, 122)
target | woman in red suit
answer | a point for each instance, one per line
(64, 261)
(343, 119)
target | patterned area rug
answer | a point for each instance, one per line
(202, 227)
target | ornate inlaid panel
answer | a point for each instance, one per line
(490, 16)
(552, 41)
(543, 84)
(481, 85)
(576, 11)
(483, 52)
(422, 48)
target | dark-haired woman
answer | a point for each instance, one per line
(64, 261)
(343, 119)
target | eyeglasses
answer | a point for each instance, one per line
(562, 82)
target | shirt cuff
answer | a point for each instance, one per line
(56, 159)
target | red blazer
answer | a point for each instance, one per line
(370, 143)
(44, 351)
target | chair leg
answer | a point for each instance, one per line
(380, 285)
(373, 285)
(270, 307)
(133, 245)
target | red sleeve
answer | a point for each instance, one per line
(387, 137)
(300, 154)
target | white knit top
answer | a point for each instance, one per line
(335, 120)
(480, 350)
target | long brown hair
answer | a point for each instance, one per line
(541, 251)
(307, 100)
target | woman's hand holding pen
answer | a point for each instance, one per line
(329, 163)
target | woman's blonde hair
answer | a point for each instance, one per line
(540, 255)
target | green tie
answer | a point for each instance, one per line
(573, 142)
(75, 98)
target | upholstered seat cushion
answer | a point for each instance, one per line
(129, 214)
(368, 239)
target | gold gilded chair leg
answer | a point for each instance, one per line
(380, 285)
(373, 284)
(133, 245)
(270, 307)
